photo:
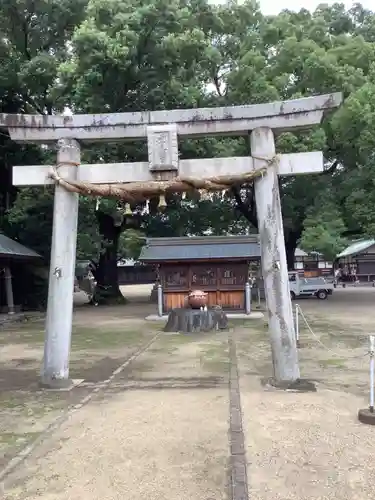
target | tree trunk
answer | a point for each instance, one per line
(188, 320)
(291, 240)
(106, 272)
(248, 210)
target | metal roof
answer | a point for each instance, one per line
(11, 248)
(355, 248)
(200, 247)
(300, 253)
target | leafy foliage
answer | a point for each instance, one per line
(324, 229)
(133, 55)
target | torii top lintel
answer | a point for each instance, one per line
(231, 120)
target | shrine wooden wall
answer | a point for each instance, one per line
(136, 275)
(233, 300)
(224, 283)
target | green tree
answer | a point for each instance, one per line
(131, 56)
(324, 228)
(297, 54)
(128, 55)
(30, 221)
(354, 130)
(33, 43)
(131, 243)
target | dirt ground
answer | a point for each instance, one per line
(311, 446)
(160, 429)
(102, 339)
(352, 307)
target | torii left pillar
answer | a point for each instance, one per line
(55, 369)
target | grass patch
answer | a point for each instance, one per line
(27, 334)
(170, 344)
(254, 337)
(82, 337)
(246, 323)
(326, 327)
(180, 339)
(12, 439)
(332, 362)
(100, 338)
(215, 365)
(12, 443)
(215, 357)
(352, 341)
(40, 404)
(135, 370)
(331, 335)
(163, 349)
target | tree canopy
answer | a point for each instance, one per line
(130, 55)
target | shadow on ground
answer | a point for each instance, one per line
(165, 383)
(17, 377)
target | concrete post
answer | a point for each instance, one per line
(247, 298)
(9, 290)
(55, 370)
(274, 265)
(160, 300)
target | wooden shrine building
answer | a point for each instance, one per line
(17, 275)
(218, 265)
(358, 261)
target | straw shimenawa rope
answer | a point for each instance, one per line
(138, 191)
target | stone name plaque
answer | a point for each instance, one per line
(162, 147)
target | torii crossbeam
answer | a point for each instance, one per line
(162, 129)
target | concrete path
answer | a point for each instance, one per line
(160, 431)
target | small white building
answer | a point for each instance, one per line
(311, 264)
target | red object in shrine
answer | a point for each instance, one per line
(197, 299)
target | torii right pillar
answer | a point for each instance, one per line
(274, 263)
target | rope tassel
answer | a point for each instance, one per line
(147, 207)
(162, 202)
(128, 210)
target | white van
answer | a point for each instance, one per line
(308, 287)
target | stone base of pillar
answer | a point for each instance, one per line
(299, 385)
(366, 416)
(59, 384)
(5, 310)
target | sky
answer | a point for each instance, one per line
(270, 7)
(273, 7)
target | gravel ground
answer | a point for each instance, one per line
(306, 446)
(311, 446)
(160, 431)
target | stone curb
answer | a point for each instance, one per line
(238, 464)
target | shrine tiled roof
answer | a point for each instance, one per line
(11, 248)
(200, 248)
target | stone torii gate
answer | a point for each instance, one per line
(162, 129)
